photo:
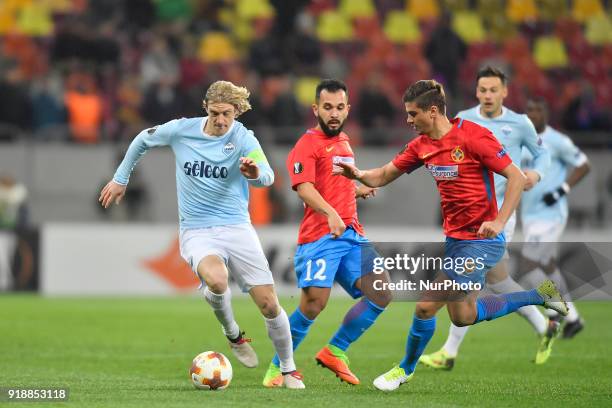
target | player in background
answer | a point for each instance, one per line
(544, 208)
(217, 158)
(515, 132)
(331, 240)
(461, 157)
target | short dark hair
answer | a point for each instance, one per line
(330, 85)
(489, 71)
(426, 93)
(538, 100)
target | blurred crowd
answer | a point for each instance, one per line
(91, 71)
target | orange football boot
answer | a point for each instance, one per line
(334, 359)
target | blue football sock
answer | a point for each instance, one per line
(357, 320)
(493, 306)
(421, 332)
(299, 329)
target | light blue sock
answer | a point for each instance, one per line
(493, 306)
(299, 329)
(357, 320)
(421, 332)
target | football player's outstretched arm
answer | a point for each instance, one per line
(114, 190)
(312, 198)
(377, 177)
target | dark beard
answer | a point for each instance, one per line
(329, 132)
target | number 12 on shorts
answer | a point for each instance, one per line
(320, 273)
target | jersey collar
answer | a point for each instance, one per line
(503, 113)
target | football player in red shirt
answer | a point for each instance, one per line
(331, 243)
(461, 156)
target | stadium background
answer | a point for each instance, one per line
(79, 79)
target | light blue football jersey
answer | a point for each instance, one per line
(564, 155)
(514, 131)
(210, 188)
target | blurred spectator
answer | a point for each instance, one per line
(139, 14)
(192, 70)
(276, 105)
(129, 101)
(48, 109)
(26, 54)
(304, 47)
(159, 64)
(162, 103)
(15, 109)
(106, 10)
(107, 47)
(375, 112)
(132, 48)
(77, 40)
(583, 113)
(207, 15)
(445, 50)
(13, 210)
(286, 13)
(13, 216)
(84, 106)
(266, 52)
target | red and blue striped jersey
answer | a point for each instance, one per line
(462, 162)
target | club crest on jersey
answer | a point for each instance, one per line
(443, 172)
(229, 148)
(506, 129)
(297, 168)
(457, 154)
(341, 159)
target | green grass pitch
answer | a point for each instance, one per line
(136, 353)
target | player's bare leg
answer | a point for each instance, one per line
(213, 271)
(357, 320)
(312, 303)
(279, 332)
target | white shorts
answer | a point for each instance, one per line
(509, 233)
(541, 239)
(510, 227)
(239, 247)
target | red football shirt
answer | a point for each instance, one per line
(461, 163)
(311, 160)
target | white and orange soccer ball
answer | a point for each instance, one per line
(211, 371)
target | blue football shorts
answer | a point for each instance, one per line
(470, 260)
(328, 260)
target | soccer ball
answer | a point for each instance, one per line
(210, 371)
